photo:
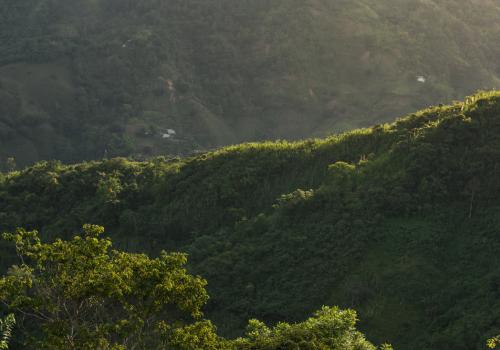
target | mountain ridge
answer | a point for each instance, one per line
(398, 221)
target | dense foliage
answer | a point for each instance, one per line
(6, 326)
(493, 342)
(80, 294)
(84, 79)
(399, 221)
(330, 328)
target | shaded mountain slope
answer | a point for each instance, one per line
(83, 79)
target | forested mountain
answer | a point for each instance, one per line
(398, 221)
(85, 79)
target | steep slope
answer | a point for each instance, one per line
(85, 79)
(399, 221)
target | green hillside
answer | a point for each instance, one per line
(86, 79)
(399, 222)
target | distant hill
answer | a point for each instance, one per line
(86, 79)
(399, 221)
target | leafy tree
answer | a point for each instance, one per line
(6, 326)
(329, 329)
(198, 336)
(492, 343)
(81, 294)
(108, 190)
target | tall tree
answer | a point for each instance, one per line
(82, 294)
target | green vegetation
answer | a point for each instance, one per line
(90, 79)
(6, 326)
(81, 294)
(399, 221)
(330, 328)
(493, 342)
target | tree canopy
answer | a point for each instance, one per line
(82, 294)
